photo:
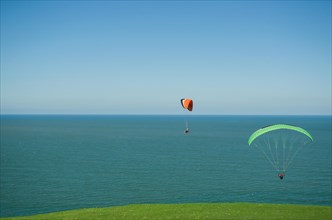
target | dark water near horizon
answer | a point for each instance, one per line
(54, 163)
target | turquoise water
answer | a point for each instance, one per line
(53, 163)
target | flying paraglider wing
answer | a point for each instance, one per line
(280, 143)
(187, 104)
(264, 130)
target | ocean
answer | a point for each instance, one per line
(61, 162)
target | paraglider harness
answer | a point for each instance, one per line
(281, 175)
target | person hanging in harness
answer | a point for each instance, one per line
(281, 175)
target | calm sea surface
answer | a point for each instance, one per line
(53, 163)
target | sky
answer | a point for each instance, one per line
(142, 57)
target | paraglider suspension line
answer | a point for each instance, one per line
(267, 157)
(186, 123)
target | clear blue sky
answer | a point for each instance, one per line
(114, 57)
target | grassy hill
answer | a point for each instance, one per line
(192, 211)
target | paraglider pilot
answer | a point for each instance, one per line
(281, 175)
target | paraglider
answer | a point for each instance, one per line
(280, 144)
(187, 104)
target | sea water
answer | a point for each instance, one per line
(61, 162)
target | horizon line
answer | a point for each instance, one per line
(151, 114)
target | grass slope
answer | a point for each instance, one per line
(192, 211)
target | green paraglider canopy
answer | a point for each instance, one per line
(264, 130)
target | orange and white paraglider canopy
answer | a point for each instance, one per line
(187, 104)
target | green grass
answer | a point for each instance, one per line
(192, 211)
